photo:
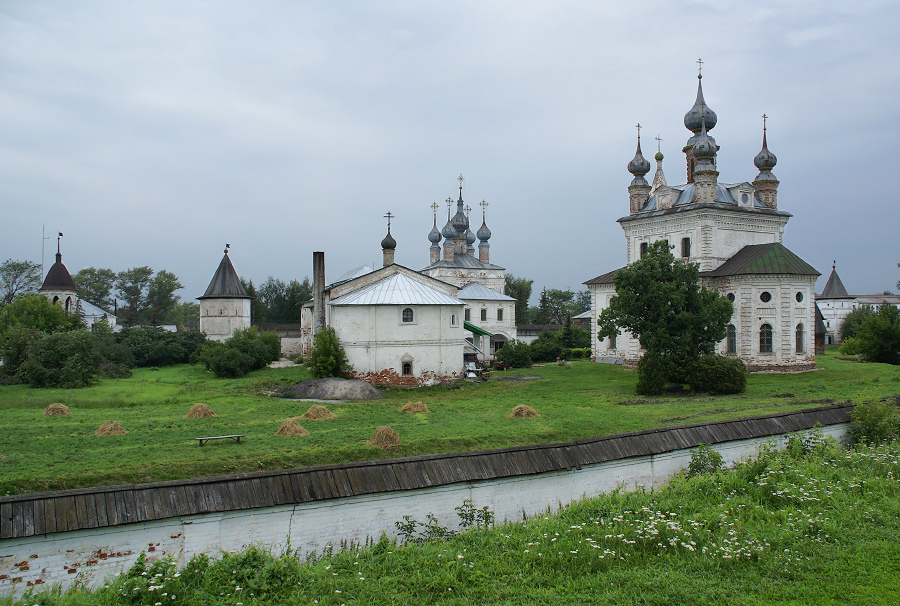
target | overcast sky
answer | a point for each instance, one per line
(152, 133)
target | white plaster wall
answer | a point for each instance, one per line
(219, 318)
(94, 555)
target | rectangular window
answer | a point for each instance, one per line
(468, 315)
(685, 247)
(612, 342)
(483, 315)
(499, 314)
(452, 319)
(644, 248)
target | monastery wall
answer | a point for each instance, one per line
(219, 318)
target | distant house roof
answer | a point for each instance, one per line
(606, 278)
(585, 315)
(463, 261)
(834, 288)
(773, 258)
(89, 309)
(477, 292)
(225, 283)
(58, 277)
(355, 273)
(396, 289)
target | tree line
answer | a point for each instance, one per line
(554, 306)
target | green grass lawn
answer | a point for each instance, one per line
(581, 401)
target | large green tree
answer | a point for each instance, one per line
(661, 302)
(18, 278)
(520, 290)
(37, 313)
(282, 300)
(877, 338)
(131, 287)
(96, 286)
(161, 299)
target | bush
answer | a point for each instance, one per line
(37, 312)
(877, 338)
(853, 320)
(719, 375)
(327, 358)
(246, 350)
(13, 352)
(154, 346)
(61, 359)
(514, 353)
(652, 375)
(704, 461)
(546, 348)
(874, 422)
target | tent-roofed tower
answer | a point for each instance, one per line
(58, 285)
(225, 306)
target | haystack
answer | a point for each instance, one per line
(57, 410)
(199, 411)
(522, 412)
(384, 437)
(110, 428)
(291, 428)
(413, 407)
(317, 413)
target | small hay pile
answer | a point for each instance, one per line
(110, 428)
(291, 428)
(317, 413)
(57, 410)
(384, 437)
(522, 412)
(413, 407)
(200, 411)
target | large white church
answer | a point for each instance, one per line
(734, 232)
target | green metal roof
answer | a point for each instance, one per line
(476, 330)
(763, 259)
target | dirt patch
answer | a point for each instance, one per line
(332, 388)
(291, 428)
(384, 437)
(200, 411)
(522, 412)
(524, 378)
(317, 413)
(110, 428)
(57, 410)
(413, 407)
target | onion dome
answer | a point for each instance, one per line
(704, 147)
(639, 166)
(388, 243)
(658, 157)
(435, 236)
(470, 237)
(765, 160)
(459, 221)
(700, 113)
(484, 234)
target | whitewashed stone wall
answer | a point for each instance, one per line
(219, 318)
(91, 556)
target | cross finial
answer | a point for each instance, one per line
(389, 216)
(449, 205)
(700, 70)
(639, 130)
(227, 246)
(658, 141)
(483, 206)
(460, 178)
(434, 207)
(764, 122)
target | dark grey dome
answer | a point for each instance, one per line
(700, 113)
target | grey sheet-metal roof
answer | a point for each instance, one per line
(773, 258)
(834, 288)
(463, 262)
(89, 309)
(585, 315)
(225, 283)
(479, 292)
(397, 289)
(355, 273)
(606, 278)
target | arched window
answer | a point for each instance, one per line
(731, 339)
(55, 299)
(407, 369)
(765, 338)
(799, 338)
(68, 305)
(407, 314)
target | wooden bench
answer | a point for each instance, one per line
(236, 437)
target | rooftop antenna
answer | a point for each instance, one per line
(44, 238)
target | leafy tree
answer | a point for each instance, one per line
(96, 286)
(131, 287)
(38, 313)
(546, 348)
(283, 301)
(18, 278)
(257, 308)
(61, 359)
(514, 353)
(161, 299)
(878, 337)
(187, 316)
(520, 290)
(247, 350)
(327, 357)
(660, 301)
(853, 320)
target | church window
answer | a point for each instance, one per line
(765, 338)
(499, 314)
(799, 337)
(55, 299)
(612, 342)
(765, 297)
(730, 297)
(452, 319)
(68, 305)
(685, 247)
(799, 297)
(468, 315)
(644, 248)
(407, 314)
(484, 315)
(407, 369)
(731, 339)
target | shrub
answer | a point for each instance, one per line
(878, 336)
(719, 375)
(546, 348)
(704, 460)
(14, 350)
(874, 422)
(853, 320)
(36, 311)
(61, 359)
(651, 369)
(327, 357)
(154, 346)
(514, 353)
